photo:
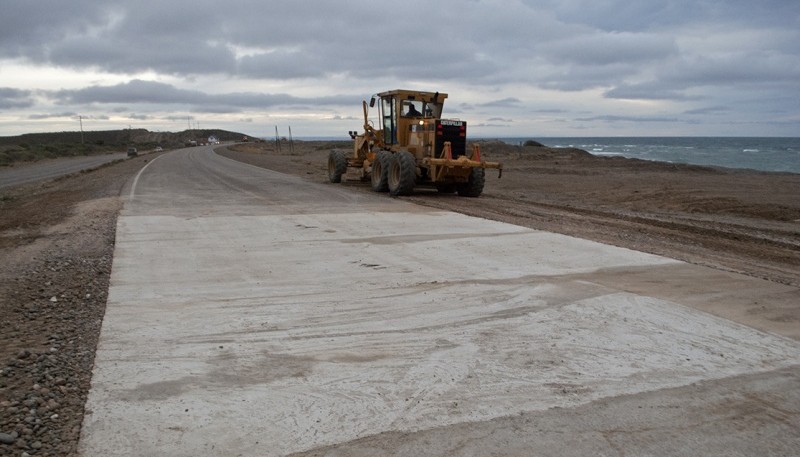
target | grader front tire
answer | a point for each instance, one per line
(402, 174)
(380, 171)
(337, 165)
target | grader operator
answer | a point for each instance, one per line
(413, 147)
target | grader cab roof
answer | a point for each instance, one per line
(414, 95)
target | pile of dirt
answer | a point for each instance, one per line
(531, 150)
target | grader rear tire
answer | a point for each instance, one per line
(337, 165)
(474, 186)
(380, 171)
(402, 174)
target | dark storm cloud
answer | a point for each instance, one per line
(510, 101)
(709, 110)
(68, 115)
(284, 41)
(115, 36)
(647, 91)
(28, 28)
(609, 118)
(765, 72)
(150, 92)
(40, 116)
(747, 67)
(15, 98)
(611, 48)
(568, 45)
(735, 53)
(624, 15)
(136, 91)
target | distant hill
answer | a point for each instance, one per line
(37, 146)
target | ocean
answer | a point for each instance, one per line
(766, 154)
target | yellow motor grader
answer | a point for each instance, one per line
(412, 147)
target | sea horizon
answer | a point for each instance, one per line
(764, 153)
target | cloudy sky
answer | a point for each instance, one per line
(529, 68)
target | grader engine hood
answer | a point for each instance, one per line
(453, 131)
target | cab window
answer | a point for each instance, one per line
(433, 110)
(389, 122)
(412, 108)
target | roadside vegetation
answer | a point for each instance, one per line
(32, 147)
(26, 152)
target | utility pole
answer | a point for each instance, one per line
(80, 119)
(277, 140)
(291, 141)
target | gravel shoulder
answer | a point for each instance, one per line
(57, 241)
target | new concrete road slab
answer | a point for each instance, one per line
(255, 314)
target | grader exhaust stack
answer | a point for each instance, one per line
(413, 146)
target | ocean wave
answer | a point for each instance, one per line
(608, 153)
(768, 154)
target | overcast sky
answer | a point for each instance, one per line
(512, 68)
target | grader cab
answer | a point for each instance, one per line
(413, 146)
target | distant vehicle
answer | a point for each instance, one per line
(132, 152)
(213, 140)
(191, 143)
(158, 149)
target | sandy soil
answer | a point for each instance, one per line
(57, 239)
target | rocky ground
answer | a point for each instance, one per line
(57, 239)
(56, 242)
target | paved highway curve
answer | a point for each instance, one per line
(49, 169)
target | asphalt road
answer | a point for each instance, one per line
(49, 169)
(253, 313)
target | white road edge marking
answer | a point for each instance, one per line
(138, 175)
